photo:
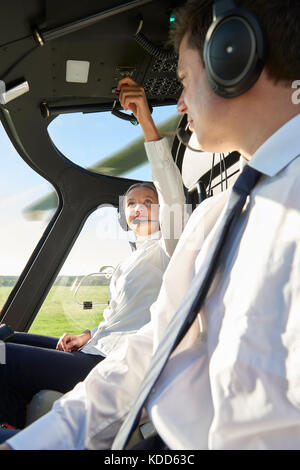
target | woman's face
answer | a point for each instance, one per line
(142, 210)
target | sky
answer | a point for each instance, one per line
(85, 139)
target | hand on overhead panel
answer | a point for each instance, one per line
(132, 97)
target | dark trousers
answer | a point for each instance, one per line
(32, 364)
(7, 433)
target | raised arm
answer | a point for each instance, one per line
(165, 173)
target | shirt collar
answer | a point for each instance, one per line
(279, 150)
(153, 236)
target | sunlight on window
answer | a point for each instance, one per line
(106, 144)
(80, 292)
(20, 186)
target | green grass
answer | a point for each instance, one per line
(4, 293)
(60, 313)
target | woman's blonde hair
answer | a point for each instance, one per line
(141, 185)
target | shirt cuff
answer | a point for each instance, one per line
(47, 433)
(158, 152)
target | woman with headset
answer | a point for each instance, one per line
(34, 362)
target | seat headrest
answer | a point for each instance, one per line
(194, 164)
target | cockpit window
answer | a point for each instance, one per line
(107, 144)
(100, 142)
(20, 186)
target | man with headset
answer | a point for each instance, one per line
(232, 379)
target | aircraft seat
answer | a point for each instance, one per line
(205, 174)
(40, 404)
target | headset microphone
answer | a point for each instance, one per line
(139, 221)
(184, 137)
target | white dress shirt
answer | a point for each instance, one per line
(240, 372)
(134, 286)
(234, 380)
(136, 282)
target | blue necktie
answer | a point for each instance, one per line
(190, 305)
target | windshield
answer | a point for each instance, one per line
(98, 141)
(106, 144)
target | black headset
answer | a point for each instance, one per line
(121, 215)
(235, 49)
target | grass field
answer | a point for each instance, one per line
(60, 313)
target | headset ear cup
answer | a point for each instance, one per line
(122, 217)
(234, 52)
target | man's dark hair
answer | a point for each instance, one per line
(280, 20)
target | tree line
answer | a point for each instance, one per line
(10, 281)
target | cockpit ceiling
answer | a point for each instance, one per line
(41, 40)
